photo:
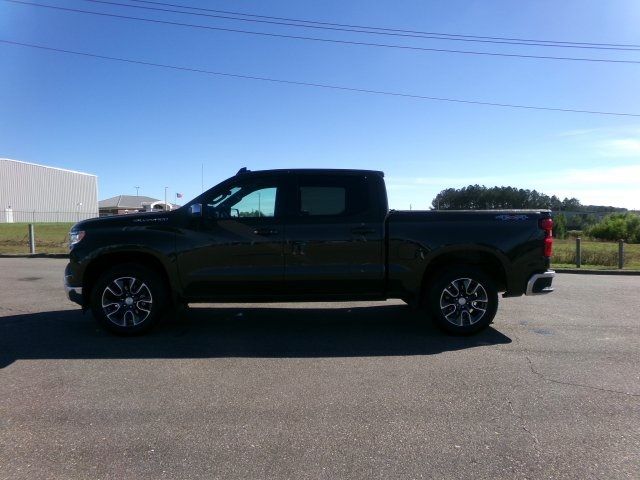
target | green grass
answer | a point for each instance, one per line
(602, 255)
(50, 237)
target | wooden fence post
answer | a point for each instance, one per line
(621, 254)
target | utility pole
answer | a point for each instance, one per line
(202, 178)
(137, 188)
(165, 198)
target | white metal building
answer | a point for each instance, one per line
(37, 193)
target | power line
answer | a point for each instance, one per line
(317, 85)
(360, 30)
(326, 40)
(227, 12)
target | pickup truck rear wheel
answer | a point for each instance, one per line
(463, 300)
(128, 299)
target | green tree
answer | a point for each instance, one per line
(480, 197)
(560, 226)
(253, 213)
(571, 204)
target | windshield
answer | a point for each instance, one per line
(222, 196)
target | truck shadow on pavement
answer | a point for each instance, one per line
(237, 332)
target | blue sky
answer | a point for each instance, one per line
(142, 126)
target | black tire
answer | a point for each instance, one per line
(128, 299)
(462, 300)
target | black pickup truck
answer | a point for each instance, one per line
(307, 235)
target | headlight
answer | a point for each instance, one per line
(75, 236)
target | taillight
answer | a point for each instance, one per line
(548, 246)
(546, 224)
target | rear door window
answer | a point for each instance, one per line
(332, 196)
(323, 200)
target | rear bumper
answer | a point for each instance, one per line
(540, 283)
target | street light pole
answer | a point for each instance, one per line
(259, 210)
(137, 188)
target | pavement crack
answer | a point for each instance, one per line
(524, 425)
(553, 380)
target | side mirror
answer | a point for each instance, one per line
(195, 210)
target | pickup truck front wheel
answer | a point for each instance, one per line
(128, 299)
(463, 300)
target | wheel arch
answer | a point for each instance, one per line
(488, 261)
(103, 262)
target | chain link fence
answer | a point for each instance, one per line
(45, 237)
(34, 216)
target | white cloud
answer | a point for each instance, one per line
(621, 147)
(615, 176)
(603, 132)
(619, 141)
(578, 132)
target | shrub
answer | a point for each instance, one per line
(617, 226)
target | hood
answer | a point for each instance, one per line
(128, 220)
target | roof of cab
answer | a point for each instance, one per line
(310, 171)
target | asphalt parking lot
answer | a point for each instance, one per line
(320, 390)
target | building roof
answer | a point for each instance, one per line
(46, 166)
(131, 202)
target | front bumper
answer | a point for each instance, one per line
(73, 293)
(540, 283)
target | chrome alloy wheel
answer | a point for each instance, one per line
(127, 301)
(464, 302)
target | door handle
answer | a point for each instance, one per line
(362, 231)
(298, 248)
(265, 231)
